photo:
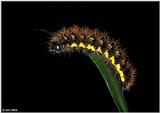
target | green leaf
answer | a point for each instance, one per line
(111, 81)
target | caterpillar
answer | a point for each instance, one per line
(93, 41)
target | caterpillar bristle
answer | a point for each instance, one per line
(93, 41)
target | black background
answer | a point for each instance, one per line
(35, 80)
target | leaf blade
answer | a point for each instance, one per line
(111, 81)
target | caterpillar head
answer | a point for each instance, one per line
(54, 45)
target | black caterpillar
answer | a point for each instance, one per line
(91, 41)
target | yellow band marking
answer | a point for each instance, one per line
(92, 48)
(106, 54)
(73, 45)
(118, 67)
(82, 45)
(99, 50)
(112, 60)
(121, 75)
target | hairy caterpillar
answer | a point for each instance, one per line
(91, 41)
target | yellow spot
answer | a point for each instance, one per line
(112, 60)
(117, 66)
(82, 36)
(99, 50)
(106, 54)
(122, 79)
(121, 75)
(73, 45)
(92, 48)
(82, 45)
